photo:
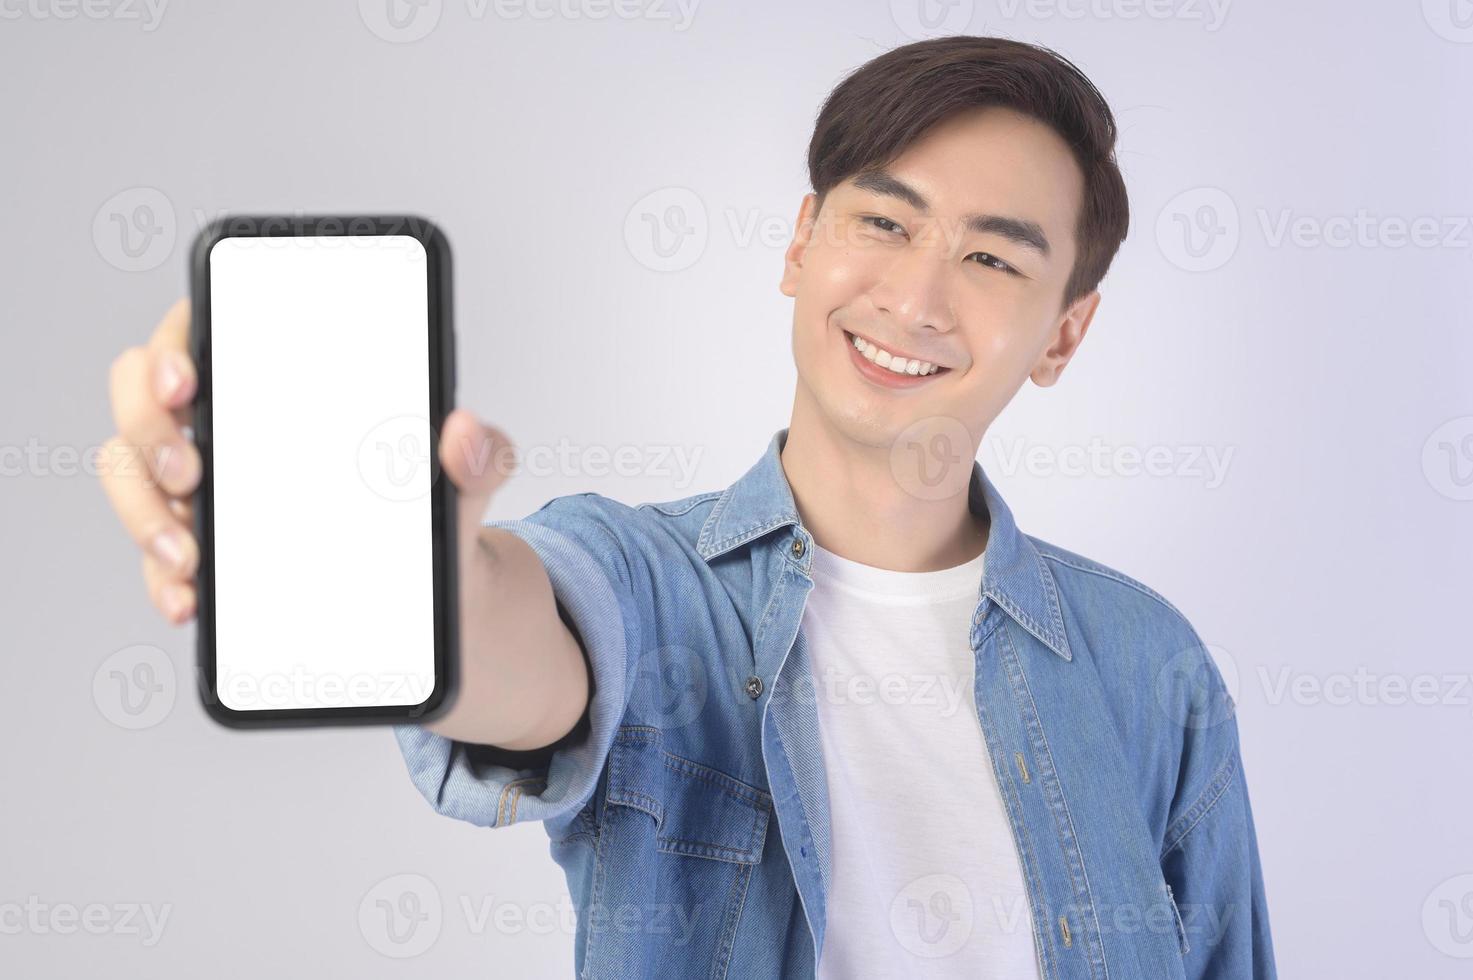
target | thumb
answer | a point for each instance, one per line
(478, 458)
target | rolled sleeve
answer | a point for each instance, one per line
(587, 562)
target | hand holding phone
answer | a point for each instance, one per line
(153, 466)
(522, 675)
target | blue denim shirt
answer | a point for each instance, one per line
(691, 816)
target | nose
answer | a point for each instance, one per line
(913, 291)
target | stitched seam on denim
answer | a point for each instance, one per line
(805, 830)
(751, 532)
(1216, 788)
(1014, 803)
(617, 793)
(766, 619)
(1093, 940)
(703, 543)
(600, 881)
(743, 879)
(767, 616)
(720, 780)
(1123, 579)
(1053, 602)
(704, 848)
(638, 733)
(997, 621)
(1027, 621)
(1044, 772)
(759, 802)
(509, 794)
(668, 508)
(639, 801)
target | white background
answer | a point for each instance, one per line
(1328, 548)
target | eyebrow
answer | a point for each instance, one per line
(1020, 231)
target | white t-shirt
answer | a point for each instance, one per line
(926, 876)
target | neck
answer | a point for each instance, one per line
(857, 505)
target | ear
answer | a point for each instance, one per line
(802, 235)
(1067, 336)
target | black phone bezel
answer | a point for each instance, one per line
(441, 339)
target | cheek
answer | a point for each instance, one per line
(1002, 358)
(831, 283)
(835, 262)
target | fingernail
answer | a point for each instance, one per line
(169, 549)
(169, 378)
(176, 601)
(177, 466)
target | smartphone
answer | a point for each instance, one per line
(327, 578)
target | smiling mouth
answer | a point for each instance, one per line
(883, 359)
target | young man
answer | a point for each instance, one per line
(844, 716)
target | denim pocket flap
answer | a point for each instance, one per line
(698, 811)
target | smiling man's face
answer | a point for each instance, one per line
(956, 254)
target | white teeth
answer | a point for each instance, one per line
(882, 357)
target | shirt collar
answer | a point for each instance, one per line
(1014, 574)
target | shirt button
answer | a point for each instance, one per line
(797, 547)
(754, 687)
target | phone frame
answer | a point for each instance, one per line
(441, 339)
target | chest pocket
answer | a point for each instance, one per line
(678, 843)
(698, 811)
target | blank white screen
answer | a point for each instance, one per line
(324, 581)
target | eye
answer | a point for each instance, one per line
(884, 224)
(993, 262)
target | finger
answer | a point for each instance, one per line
(143, 421)
(183, 510)
(172, 371)
(174, 597)
(478, 459)
(144, 510)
